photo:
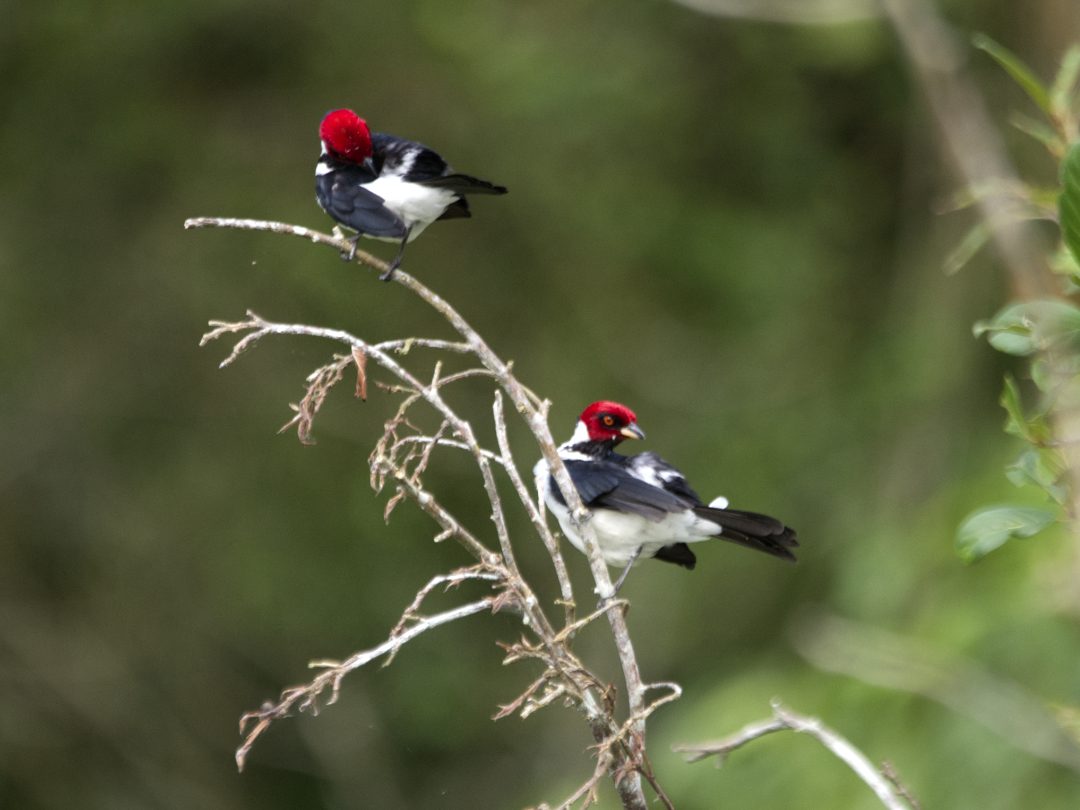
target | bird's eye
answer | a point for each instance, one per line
(608, 420)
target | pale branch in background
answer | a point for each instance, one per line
(938, 62)
(1009, 710)
(888, 770)
(796, 12)
(783, 719)
(400, 459)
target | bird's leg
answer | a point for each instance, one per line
(348, 257)
(622, 578)
(396, 263)
(625, 573)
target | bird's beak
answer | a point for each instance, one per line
(632, 431)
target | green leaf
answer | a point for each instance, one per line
(1032, 429)
(1042, 374)
(1024, 328)
(1069, 202)
(1043, 469)
(1043, 133)
(1009, 331)
(1021, 73)
(968, 247)
(1061, 91)
(1064, 263)
(990, 528)
(1068, 720)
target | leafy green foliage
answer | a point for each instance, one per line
(971, 244)
(1032, 429)
(1069, 202)
(1061, 92)
(1039, 130)
(1046, 331)
(1042, 468)
(991, 527)
(1021, 73)
(1032, 326)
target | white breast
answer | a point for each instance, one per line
(621, 534)
(417, 205)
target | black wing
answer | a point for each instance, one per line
(390, 153)
(669, 477)
(426, 166)
(458, 209)
(609, 485)
(749, 529)
(342, 196)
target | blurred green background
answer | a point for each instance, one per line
(726, 224)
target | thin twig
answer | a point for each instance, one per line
(446, 581)
(889, 772)
(784, 719)
(533, 509)
(342, 244)
(872, 655)
(587, 792)
(308, 694)
(444, 442)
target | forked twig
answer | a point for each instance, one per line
(784, 719)
(308, 695)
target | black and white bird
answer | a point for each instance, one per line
(640, 505)
(385, 187)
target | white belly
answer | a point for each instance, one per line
(418, 206)
(621, 534)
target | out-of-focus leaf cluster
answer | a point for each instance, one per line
(1047, 331)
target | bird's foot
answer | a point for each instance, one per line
(389, 273)
(605, 603)
(350, 254)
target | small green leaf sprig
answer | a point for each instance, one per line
(1046, 331)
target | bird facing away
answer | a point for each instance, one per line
(640, 505)
(385, 187)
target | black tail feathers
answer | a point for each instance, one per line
(752, 530)
(464, 184)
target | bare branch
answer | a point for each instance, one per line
(320, 382)
(342, 244)
(889, 772)
(797, 12)
(587, 793)
(627, 742)
(571, 629)
(784, 719)
(872, 655)
(447, 521)
(721, 748)
(307, 696)
(534, 510)
(359, 357)
(444, 442)
(446, 581)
